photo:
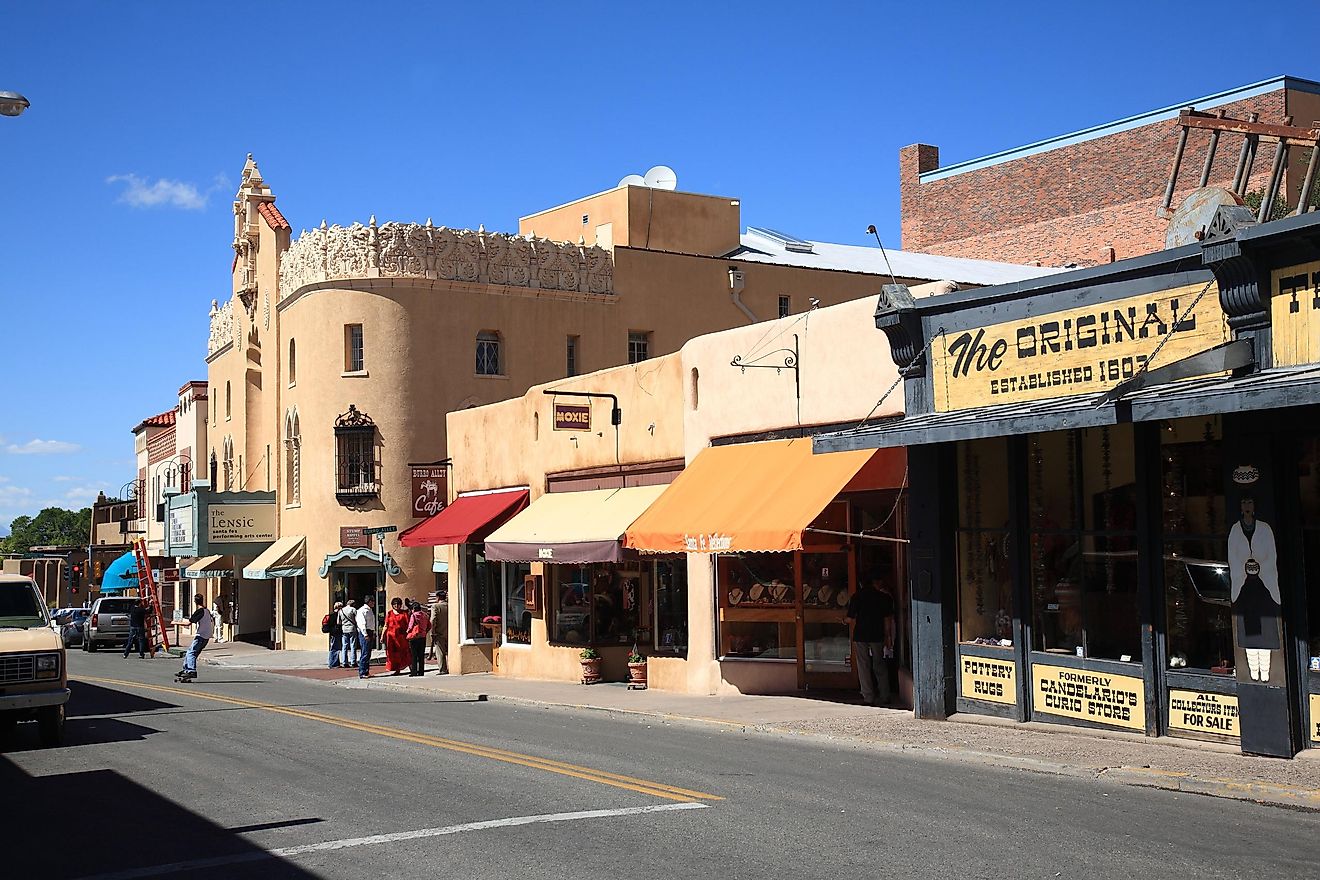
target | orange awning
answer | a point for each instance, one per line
(757, 497)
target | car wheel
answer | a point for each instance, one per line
(51, 725)
(91, 645)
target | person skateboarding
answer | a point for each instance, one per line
(203, 628)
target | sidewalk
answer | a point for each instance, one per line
(1174, 764)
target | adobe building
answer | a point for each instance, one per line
(1089, 197)
(333, 364)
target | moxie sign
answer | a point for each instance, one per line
(430, 489)
(572, 417)
(1081, 350)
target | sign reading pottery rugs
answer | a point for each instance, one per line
(430, 489)
(240, 523)
(1315, 718)
(984, 678)
(1203, 713)
(572, 417)
(1098, 697)
(1079, 351)
(1295, 315)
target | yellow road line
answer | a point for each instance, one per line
(603, 777)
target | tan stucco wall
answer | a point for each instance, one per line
(643, 217)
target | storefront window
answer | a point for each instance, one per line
(1082, 517)
(517, 619)
(757, 597)
(1197, 606)
(671, 606)
(600, 604)
(985, 586)
(482, 585)
(293, 596)
(1309, 477)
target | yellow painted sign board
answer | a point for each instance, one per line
(1315, 718)
(1098, 697)
(985, 678)
(1085, 350)
(1198, 712)
(1295, 314)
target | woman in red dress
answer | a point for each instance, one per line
(397, 652)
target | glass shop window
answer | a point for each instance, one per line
(1081, 489)
(600, 604)
(757, 593)
(671, 606)
(482, 588)
(294, 601)
(517, 619)
(1198, 621)
(1308, 473)
(985, 585)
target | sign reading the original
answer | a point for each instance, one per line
(353, 536)
(240, 523)
(572, 417)
(985, 678)
(1078, 351)
(430, 489)
(1098, 697)
(1203, 713)
(1295, 314)
(181, 526)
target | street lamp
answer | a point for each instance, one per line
(13, 104)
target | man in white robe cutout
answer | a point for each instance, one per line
(1253, 566)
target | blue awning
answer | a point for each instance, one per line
(120, 575)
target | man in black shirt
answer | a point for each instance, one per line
(872, 612)
(137, 630)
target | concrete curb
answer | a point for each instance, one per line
(1236, 789)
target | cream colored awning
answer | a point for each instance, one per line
(287, 557)
(571, 527)
(210, 566)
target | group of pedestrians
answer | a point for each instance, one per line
(351, 626)
(353, 634)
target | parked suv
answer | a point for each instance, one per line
(108, 624)
(34, 679)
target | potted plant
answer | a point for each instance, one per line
(636, 670)
(590, 665)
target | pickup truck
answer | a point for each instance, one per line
(34, 678)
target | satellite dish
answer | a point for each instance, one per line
(1192, 220)
(633, 180)
(661, 177)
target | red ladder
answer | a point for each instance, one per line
(156, 636)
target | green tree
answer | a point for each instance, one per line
(54, 525)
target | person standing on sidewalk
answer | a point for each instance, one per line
(366, 633)
(872, 612)
(336, 634)
(137, 629)
(440, 633)
(348, 634)
(395, 637)
(203, 628)
(419, 624)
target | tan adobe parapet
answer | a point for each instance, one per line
(411, 250)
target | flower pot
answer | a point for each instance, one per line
(637, 676)
(591, 670)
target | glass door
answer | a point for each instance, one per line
(825, 576)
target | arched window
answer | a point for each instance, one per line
(214, 472)
(293, 363)
(227, 464)
(489, 362)
(696, 378)
(228, 403)
(292, 459)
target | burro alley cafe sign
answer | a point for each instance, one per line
(1082, 350)
(430, 489)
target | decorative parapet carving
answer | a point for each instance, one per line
(410, 250)
(222, 327)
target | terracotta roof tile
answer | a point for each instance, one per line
(161, 420)
(274, 219)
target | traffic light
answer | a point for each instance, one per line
(75, 577)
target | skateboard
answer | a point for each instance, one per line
(183, 676)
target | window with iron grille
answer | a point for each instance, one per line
(785, 306)
(354, 361)
(356, 468)
(639, 346)
(571, 356)
(488, 354)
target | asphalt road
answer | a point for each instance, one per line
(251, 774)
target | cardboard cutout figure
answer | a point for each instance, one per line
(1254, 569)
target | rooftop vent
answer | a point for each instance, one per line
(789, 242)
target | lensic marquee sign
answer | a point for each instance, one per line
(240, 523)
(1078, 351)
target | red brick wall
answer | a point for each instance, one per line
(160, 445)
(1072, 204)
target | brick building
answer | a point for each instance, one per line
(1091, 196)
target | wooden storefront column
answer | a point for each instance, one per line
(932, 578)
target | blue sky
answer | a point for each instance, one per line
(115, 223)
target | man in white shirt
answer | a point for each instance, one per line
(204, 628)
(366, 632)
(348, 630)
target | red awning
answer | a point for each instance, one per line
(468, 520)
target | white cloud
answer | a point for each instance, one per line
(82, 495)
(141, 192)
(63, 478)
(42, 447)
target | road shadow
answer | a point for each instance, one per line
(134, 828)
(90, 699)
(77, 732)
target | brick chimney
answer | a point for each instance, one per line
(912, 162)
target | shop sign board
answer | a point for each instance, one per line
(353, 536)
(1198, 712)
(1295, 314)
(985, 678)
(181, 526)
(572, 417)
(1315, 718)
(1087, 695)
(240, 523)
(1081, 350)
(430, 489)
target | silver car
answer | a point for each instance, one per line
(108, 624)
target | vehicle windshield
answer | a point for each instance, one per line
(117, 606)
(20, 605)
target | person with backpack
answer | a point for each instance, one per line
(330, 626)
(349, 634)
(419, 624)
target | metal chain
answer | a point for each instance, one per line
(902, 374)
